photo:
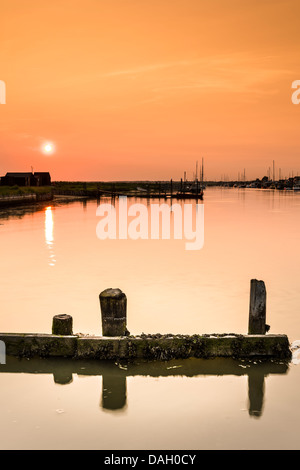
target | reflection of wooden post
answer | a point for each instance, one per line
(257, 311)
(62, 325)
(113, 392)
(63, 378)
(113, 303)
(256, 387)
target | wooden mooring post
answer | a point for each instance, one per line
(257, 309)
(113, 304)
(62, 325)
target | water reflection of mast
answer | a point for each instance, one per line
(49, 234)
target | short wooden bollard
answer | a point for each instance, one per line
(62, 325)
(257, 310)
(113, 303)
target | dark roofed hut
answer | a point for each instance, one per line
(19, 179)
(26, 179)
(42, 178)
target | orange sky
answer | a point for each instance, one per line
(141, 89)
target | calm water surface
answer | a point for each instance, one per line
(52, 262)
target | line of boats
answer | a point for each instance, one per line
(280, 185)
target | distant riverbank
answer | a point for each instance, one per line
(15, 195)
(127, 188)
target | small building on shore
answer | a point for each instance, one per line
(26, 179)
(42, 178)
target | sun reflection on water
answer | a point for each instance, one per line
(49, 224)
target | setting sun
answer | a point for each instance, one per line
(48, 148)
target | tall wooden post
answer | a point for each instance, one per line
(113, 303)
(257, 310)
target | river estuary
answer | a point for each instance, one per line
(52, 262)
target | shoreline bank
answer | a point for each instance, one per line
(19, 199)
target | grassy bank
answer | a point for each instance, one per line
(92, 189)
(101, 186)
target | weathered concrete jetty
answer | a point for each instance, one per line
(117, 343)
